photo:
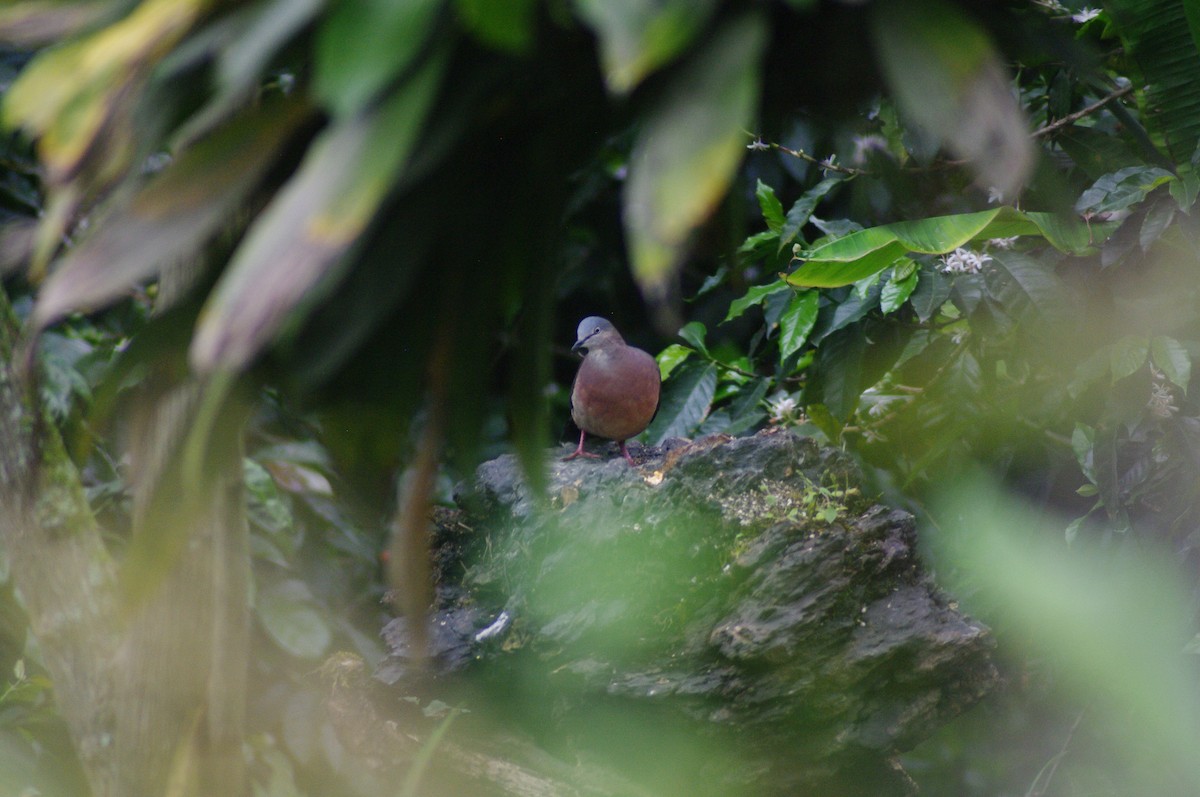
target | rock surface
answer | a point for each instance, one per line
(733, 616)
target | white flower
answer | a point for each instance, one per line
(829, 163)
(964, 261)
(865, 144)
(758, 145)
(1003, 243)
(783, 408)
(1162, 402)
(1085, 14)
(995, 195)
(877, 409)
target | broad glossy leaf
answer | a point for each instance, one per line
(688, 150)
(1127, 355)
(364, 45)
(756, 295)
(174, 214)
(686, 400)
(1018, 281)
(1170, 357)
(797, 322)
(838, 315)
(802, 209)
(311, 223)
(772, 208)
(1122, 188)
(838, 373)
(1158, 218)
(671, 358)
(860, 254)
(693, 332)
(948, 78)
(896, 292)
(639, 36)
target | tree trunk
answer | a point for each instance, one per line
(59, 564)
(149, 671)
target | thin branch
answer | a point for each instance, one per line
(1072, 118)
(826, 164)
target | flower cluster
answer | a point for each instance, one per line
(784, 409)
(1162, 399)
(964, 261)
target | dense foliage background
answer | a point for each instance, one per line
(957, 239)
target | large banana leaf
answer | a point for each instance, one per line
(866, 252)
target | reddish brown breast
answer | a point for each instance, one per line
(615, 392)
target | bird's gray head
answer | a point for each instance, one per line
(595, 332)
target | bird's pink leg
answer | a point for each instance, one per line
(625, 453)
(579, 452)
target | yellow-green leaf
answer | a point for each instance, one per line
(689, 149)
(640, 36)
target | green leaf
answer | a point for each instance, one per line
(802, 210)
(823, 419)
(685, 402)
(1021, 283)
(1170, 357)
(772, 208)
(287, 614)
(693, 332)
(1161, 35)
(797, 321)
(948, 78)
(506, 26)
(838, 372)
(930, 294)
(1082, 440)
(755, 296)
(311, 223)
(688, 150)
(1122, 188)
(860, 254)
(1185, 189)
(1157, 219)
(1093, 369)
(637, 38)
(362, 46)
(1128, 355)
(671, 358)
(896, 292)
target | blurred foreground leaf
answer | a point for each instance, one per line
(311, 223)
(172, 216)
(1116, 621)
(688, 150)
(947, 77)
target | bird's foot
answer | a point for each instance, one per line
(579, 452)
(628, 458)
